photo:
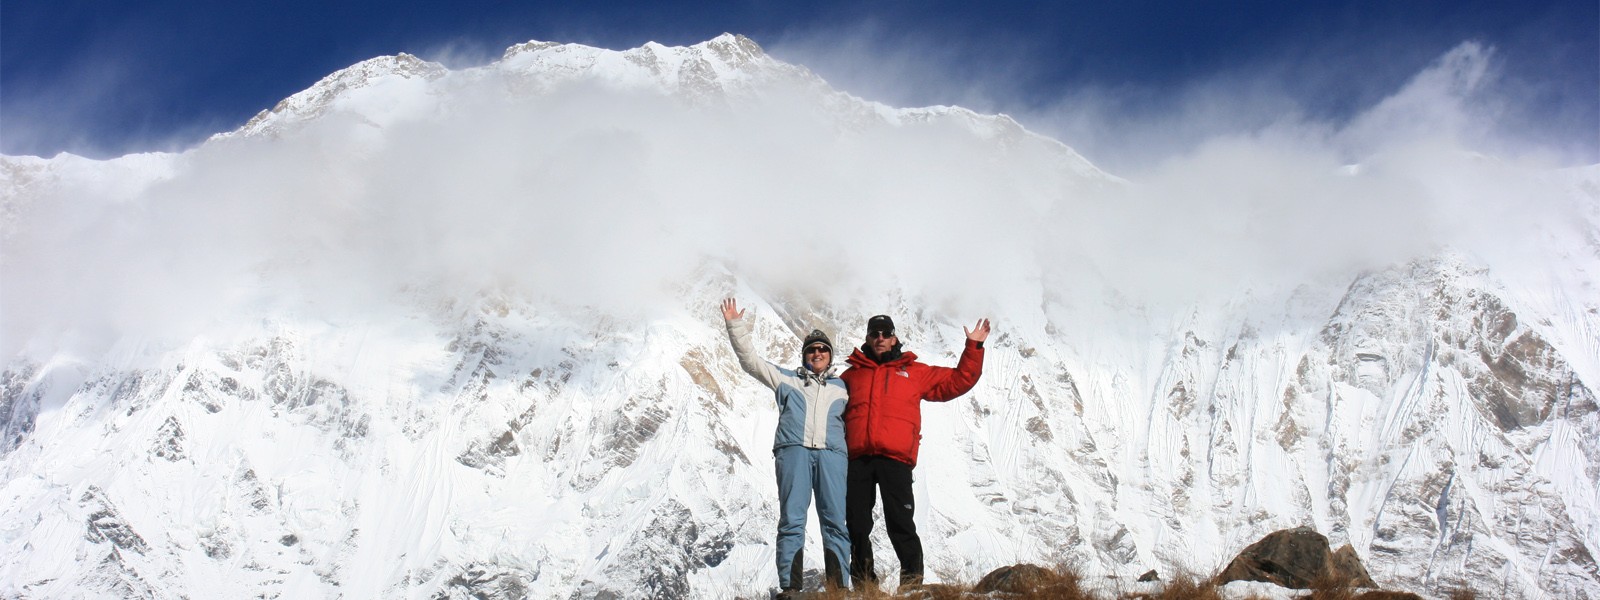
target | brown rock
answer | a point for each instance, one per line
(1015, 579)
(1346, 566)
(1029, 581)
(1297, 558)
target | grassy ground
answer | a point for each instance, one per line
(1065, 584)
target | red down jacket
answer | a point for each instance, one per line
(884, 414)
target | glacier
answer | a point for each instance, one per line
(423, 332)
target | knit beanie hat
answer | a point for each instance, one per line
(816, 337)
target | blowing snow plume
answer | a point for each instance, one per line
(420, 331)
(590, 177)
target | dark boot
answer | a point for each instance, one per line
(797, 572)
(910, 580)
(832, 572)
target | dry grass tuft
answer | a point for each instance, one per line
(1063, 583)
(1330, 588)
(1327, 587)
(1185, 586)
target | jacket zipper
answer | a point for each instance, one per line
(816, 422)
(879, 399)
(887, 375)
(811, 405)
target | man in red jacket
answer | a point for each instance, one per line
(883, 429)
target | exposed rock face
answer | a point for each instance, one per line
(487, 582)
(105, 524)
(1297, 558)
(1416, 355)
(18, 407)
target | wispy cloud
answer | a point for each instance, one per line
(589, 195)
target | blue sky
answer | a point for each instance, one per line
(107, 78)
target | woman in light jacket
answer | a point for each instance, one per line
(808, 449)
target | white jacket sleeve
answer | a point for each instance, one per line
(763, 371)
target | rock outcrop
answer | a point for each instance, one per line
(1297, 558)
(1027, 579)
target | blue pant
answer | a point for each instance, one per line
(803, 471)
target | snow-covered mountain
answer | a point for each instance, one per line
(421, 332)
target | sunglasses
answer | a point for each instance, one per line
(819, 350)
(880, 334)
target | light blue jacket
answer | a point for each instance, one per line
(810, 405)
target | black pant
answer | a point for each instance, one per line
(893, 479)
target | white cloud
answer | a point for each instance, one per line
(592, 196)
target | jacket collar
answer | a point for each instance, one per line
(807, 375)
(859, 358)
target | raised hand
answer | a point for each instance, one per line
(979, 332)
(731, 311)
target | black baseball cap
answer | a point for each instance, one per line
(880, 323)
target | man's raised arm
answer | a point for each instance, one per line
(948, 383)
